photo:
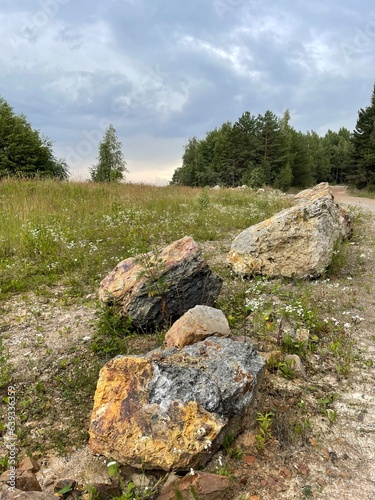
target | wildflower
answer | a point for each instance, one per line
(208, 444)
(191, 473)
(201, 431)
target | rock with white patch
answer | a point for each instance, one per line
(171, 409)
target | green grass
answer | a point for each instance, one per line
(74, 233)
(363, 193)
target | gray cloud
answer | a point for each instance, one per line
(163, 71)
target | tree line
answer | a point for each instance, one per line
(255, 150)
(267, 150)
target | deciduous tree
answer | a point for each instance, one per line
(23, 151)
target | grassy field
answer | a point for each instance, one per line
(74, 233)
(58, 240)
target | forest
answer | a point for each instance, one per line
(267, 150)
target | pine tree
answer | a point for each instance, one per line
(111, 163)
(363, 157)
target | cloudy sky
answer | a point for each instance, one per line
(165, 70)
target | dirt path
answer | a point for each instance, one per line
(341, 196)
(354, 434)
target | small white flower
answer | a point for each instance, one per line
(191, 473)
(208, 444)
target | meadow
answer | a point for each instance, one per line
(73, 234)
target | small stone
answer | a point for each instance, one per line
(206, 485)
(296, 365)
(29, 464)
(105, 491)
(345, 475)
(285, 473)
(27, 481)
(302, 335)
(197, 324)
(65, 484)
(303, 470)
(249, 459)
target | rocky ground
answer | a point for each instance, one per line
(45, 332)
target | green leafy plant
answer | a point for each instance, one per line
(203, 199)
(331, 415)
(232, 450)
(66, 489)
(264, 434)
(286, 369)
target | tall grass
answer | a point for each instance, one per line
(74, 233)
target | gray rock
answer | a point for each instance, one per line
(157, 289)
(297, 242)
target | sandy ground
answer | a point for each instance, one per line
(341, 196)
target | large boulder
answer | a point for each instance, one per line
(197, 324)
(155, 289)
(171, 409)
(296, 242)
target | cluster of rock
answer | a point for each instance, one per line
(171, 409)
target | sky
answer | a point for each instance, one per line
(163, 71)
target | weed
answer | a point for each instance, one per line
(74, 233)
(331, 415)
(5, 366)
(233, 451)
(307, 491)
(113, 332)
(203, 199)
(264, 434)
(292, 346)
(327, 401)
(339, 260)
(286, 369)
(4, 463)
(223, 469)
